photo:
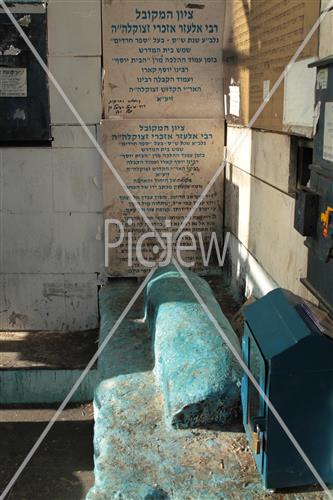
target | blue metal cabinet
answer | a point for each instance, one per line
(292, 359)
(314, 205)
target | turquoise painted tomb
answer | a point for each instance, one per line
(161, 379)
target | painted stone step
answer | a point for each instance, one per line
(42, 367)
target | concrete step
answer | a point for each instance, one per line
(41, 367)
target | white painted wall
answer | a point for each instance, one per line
(326, 33)
(50, 198)
(266, 249)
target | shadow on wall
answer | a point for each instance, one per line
(260, 214)
(245, 220)
(232, 266)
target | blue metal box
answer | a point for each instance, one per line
(291, 356)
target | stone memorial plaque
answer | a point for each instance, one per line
(166, 164)
(162, 59)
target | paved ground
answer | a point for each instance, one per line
(62, 469)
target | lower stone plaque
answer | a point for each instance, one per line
(166, 165)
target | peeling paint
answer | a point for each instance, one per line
(195, 6)
(69, 290)
(21, 318)
(99, 234)
(53, 290)
(96, 182)
(25, 20)
(12, 51)
(19, 114)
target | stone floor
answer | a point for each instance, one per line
(62, 468)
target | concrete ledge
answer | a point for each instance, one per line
(195, 369)
(44, 386)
